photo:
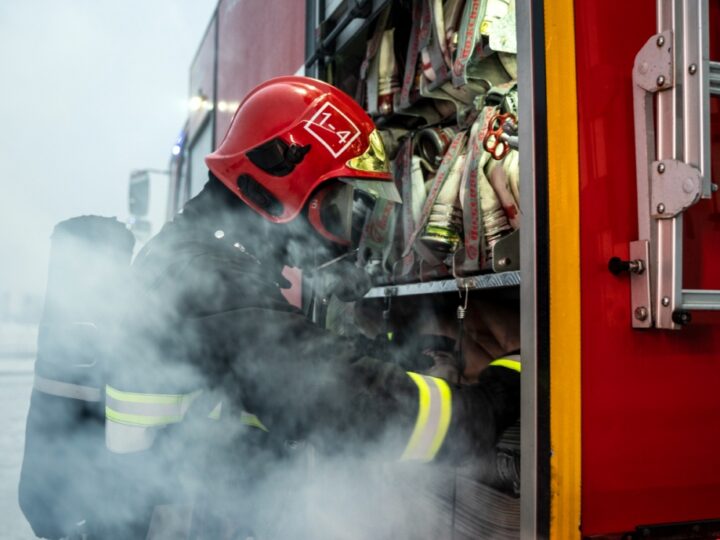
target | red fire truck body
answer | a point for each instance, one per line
(649, 408)
(620, 425)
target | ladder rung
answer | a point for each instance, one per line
(704, 300)
(715, 78)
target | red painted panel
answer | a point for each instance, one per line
(650, 409)
(202, 80)
(259, 39)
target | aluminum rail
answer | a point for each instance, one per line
(471, 283)
(702, 300)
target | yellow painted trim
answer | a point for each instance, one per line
(564, 231)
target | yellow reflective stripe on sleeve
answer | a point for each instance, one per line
(137, 409)
(433, 420)
(507, 363)
(423, 412)
(216, 412)
(251, 420)
(246, 418)
(135, 397)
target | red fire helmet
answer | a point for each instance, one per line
(291, 135)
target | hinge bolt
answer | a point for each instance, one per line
(661, 168)
(641, 313)
(661, 208)
(681, 317)
(714, 187)
(660, 41)
(692, 70)
(666, 301)
(661, 80)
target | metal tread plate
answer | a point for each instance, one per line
(483, 281)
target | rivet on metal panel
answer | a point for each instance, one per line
(692, 70)
(660, 80)
(661, 208)
(688, 185)
(666, 301)
(661, 168)
(641, 313)
(660, 41)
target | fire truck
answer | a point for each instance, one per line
(611, 265)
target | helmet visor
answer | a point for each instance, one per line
(339, 213)
(377, 189)
(374, 159)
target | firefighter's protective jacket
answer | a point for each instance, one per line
(211, 346)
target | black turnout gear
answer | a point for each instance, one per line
(208, 314)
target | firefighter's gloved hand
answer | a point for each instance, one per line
(346, 280)
(419, 354)
(482, 412)
(444, 365)
(441, 352)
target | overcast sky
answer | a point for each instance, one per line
(90, 90)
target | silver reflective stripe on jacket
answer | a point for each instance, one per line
(66, 390)
(433, 420)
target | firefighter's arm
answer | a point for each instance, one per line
(307, 383)
(483, 411)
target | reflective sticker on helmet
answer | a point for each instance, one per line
(333, 129)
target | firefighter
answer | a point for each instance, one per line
(210, 343)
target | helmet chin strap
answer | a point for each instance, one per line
(343, 278)
(349, 255)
